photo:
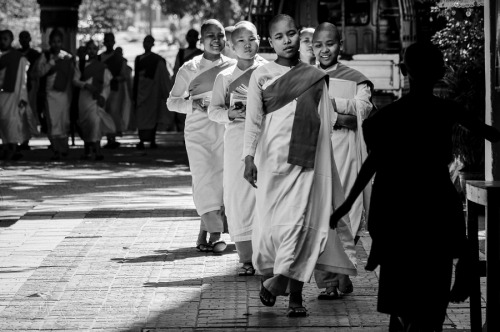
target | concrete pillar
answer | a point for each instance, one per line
(492, 56)
(61, 14)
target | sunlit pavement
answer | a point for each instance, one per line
(109, 246)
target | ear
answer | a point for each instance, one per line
(271, 43)
(404, 69)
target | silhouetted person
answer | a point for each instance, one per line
(184, 55)
(32, 81)
(13, 97)
(151, 87)
(416, 219)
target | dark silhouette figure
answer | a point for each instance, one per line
(416, 219)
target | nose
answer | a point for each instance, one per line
(286, 40)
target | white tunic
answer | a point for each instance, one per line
(204, 138)
(13, 124)
(293, 203)
(93, 119)
(58, 102)
(239, 197)
(349, 149)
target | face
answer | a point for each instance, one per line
(109, 42)
(285, 39)
(24, 40)
(245, 43)
(306, 44)
(5, 42)
(213, 39)
(191, 38)
(55, 44)
(92, 50)
(326, 47)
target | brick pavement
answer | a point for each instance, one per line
(108, 246)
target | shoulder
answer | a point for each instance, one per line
(228, 71)
(193, 64)
(226, 59)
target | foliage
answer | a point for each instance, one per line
(226, 11)
(462, 44)
(98, 16)
(18, 15)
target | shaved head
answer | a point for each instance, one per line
(208, 23)
(243, 25)
(326, 26)
(280, 18)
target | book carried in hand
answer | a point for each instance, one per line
(239, 95)
(342, 89)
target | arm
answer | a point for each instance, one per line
(253, 127)
(163, 78)
(478, 127)
(360, 103)
(179, 101)
(76, 78)
(23, 74)
(365, 175)
(107, 84)
(45, 67)
(217, 110)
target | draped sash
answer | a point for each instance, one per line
(305, 84)
(243, 79)
(204, 82)
(10, 62)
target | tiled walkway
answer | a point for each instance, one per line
(109, 247)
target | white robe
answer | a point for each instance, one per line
(13, 123)
(93, 119)
(349, 150)
(204, 138)
(239, 197)
(58, 102)
(293, 203)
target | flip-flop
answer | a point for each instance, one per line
(219, 247)
(206, 247)
(264, 293)
(246, 271)
(329, 295)
(296, 312)
(295, 307)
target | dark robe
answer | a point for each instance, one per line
(10, 62)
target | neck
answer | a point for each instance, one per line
(244, 64)
(307, 59)
(25, 48)
(288, 62)
(327, 66)
(55, 52)
(109, 50)
(211, 56)
(421, 89)
(7, 49)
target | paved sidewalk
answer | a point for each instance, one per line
(108, 246)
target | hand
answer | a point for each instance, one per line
(90, 87)
(341, 211)
(346, 121)
(101, 102)
(250, 173)
(236, 111)
(199, 105)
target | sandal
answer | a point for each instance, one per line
(205, 247)
(347, 290)
(218, 247)
(246, 270)
(266, 297)
(295, 307)
(330, 293)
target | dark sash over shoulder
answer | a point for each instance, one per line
(243, 79)
(95, 70)
(345, 73)
(204, 82)
(304, 83)
(10, 62)
(64, 72)
(115, 64)
(147, 64)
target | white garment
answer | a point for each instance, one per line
(293, 203)
(13, 121)
(93, 119)
(349, 149)
(58, 102)
(204, 138)
(239, 197)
